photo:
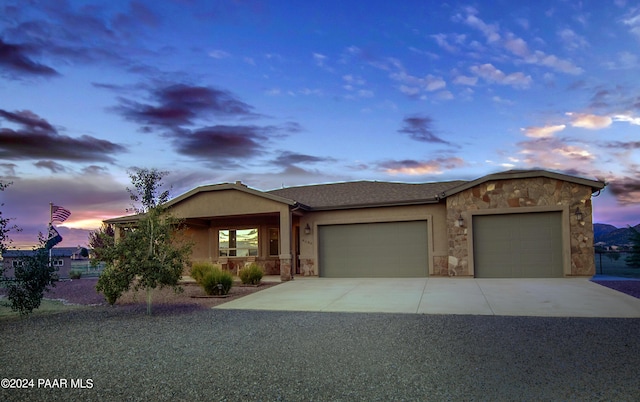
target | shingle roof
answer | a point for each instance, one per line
(365, 193)
(55, 252)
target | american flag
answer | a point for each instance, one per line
(59, 214)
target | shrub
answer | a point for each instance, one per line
(251, 274)
(33, 277)
(200, 269)
(215, 277)
(75, 274)
(112, 282)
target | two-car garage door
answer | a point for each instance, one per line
(521, 245)
(525, 245)
(378, 250)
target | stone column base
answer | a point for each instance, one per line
(285, 268)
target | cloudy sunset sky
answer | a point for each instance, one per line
(284, 93)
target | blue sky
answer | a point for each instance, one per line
(290, 92)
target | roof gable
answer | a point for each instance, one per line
(526, 174)
(228, 186)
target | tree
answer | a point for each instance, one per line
(152, 253)
(633, 259)
(101, 239)
(34, 274)
(147, 184)
(5, 225)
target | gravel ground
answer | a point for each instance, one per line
(206, 354)
(186, 352)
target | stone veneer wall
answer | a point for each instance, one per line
(519, 193)
(308, 267)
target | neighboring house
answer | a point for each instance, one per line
(513, 224)
(61, 258)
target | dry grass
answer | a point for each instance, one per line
(192, 294)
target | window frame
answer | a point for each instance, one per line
(226, 252)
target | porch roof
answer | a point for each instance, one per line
(128, 219)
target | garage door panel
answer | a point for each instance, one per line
(389, 249)
(518, 245)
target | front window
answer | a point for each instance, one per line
(238, 242)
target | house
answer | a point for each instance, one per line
(61, 258)
(519, 223)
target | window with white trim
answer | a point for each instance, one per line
(238, 242)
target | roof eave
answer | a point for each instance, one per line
(124, 219)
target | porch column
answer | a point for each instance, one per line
(285, 244)
(117, 232)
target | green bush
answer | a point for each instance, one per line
(113, 282)
(75, 274)
(200, 269)
(251, 274)
(215, 277)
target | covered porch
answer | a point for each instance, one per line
(233, 225)
(268, 239)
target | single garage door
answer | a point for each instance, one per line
(373, 250)
(518, 245)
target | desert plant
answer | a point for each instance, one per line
(75, 274)
(215, 277)
(200, 268)
(251, 274)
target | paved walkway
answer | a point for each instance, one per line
(564, 297)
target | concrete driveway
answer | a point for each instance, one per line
(564, 297)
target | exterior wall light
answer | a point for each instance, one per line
(307, 229)
(460, 221)
(579, 215)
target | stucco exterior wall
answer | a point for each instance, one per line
(522, 195)
(225, 203)
(201, 241)
(434, 214)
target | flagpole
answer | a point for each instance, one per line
(49, 230)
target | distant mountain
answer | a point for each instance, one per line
(601, 229)
(609, 235)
